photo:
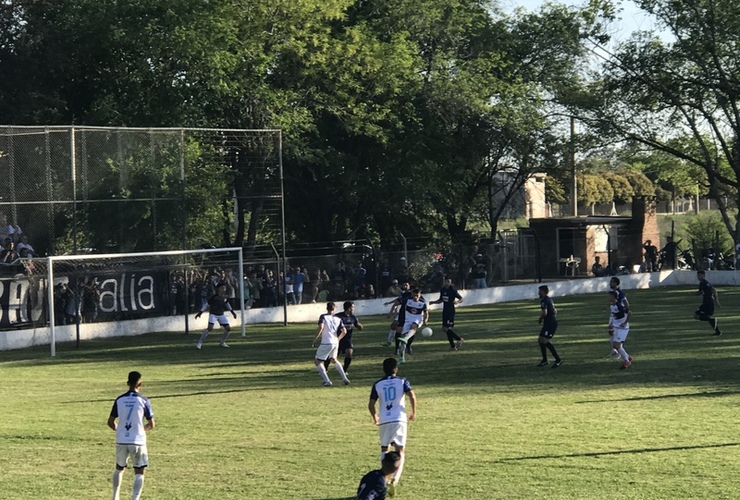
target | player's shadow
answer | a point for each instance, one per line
(712, 394)
(617, 452)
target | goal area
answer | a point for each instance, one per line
(130, 293)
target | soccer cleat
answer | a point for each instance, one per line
(224, 345)
(459, 343)
(543, 363)
(385, 344)
(328, 384)
(198, 345)
(401, 361)
(626, 364)
(557, 363)
(346, 381)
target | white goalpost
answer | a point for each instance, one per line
(126, 286)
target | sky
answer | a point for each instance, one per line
(631, 18)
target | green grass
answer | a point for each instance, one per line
(253, 422)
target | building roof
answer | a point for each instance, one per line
(587, 220)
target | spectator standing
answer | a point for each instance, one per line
(386, 278)
(90, 300)
(289, 288)
(402, 270)
(255, 290)
(479, 272)
(338, 281)
(314, 282)
(231, 287)
(670, 253)
(270, 289)
(651, 256)
(72, 304)
(299, 279)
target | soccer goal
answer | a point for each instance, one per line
(99, 295)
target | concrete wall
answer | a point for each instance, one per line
(19, 339)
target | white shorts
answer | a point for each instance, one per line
(409, 323)
(222, 319)
(620, 333)
(327, 351)
(138, 454)
(392, 433)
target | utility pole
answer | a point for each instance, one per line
(574, 187)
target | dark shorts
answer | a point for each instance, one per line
(448, 319)
(705, 311)
(548, 331)
(345, 344)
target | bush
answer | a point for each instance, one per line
(707, 230)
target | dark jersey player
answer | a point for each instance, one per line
(350, 322)
(217, 306)
(374, 484)
(709, 299)
(549, 321)
(449, 297)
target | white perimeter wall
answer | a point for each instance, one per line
(19, 339)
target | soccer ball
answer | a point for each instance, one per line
(427, 332)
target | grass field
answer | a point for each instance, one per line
(253, 422)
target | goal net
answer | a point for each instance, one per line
(132, 293)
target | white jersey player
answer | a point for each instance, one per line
(620, 325)
(127, 418)
(331, 331)
(416, 314)
(390, 394)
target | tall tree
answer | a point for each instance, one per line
(655, 90)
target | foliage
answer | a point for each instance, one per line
(677, 93)
(621, 187)
(554, 190)
(706, 230)
(399, 117)
(593, 189)
(641, 185)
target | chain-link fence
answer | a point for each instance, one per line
(107, 190)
